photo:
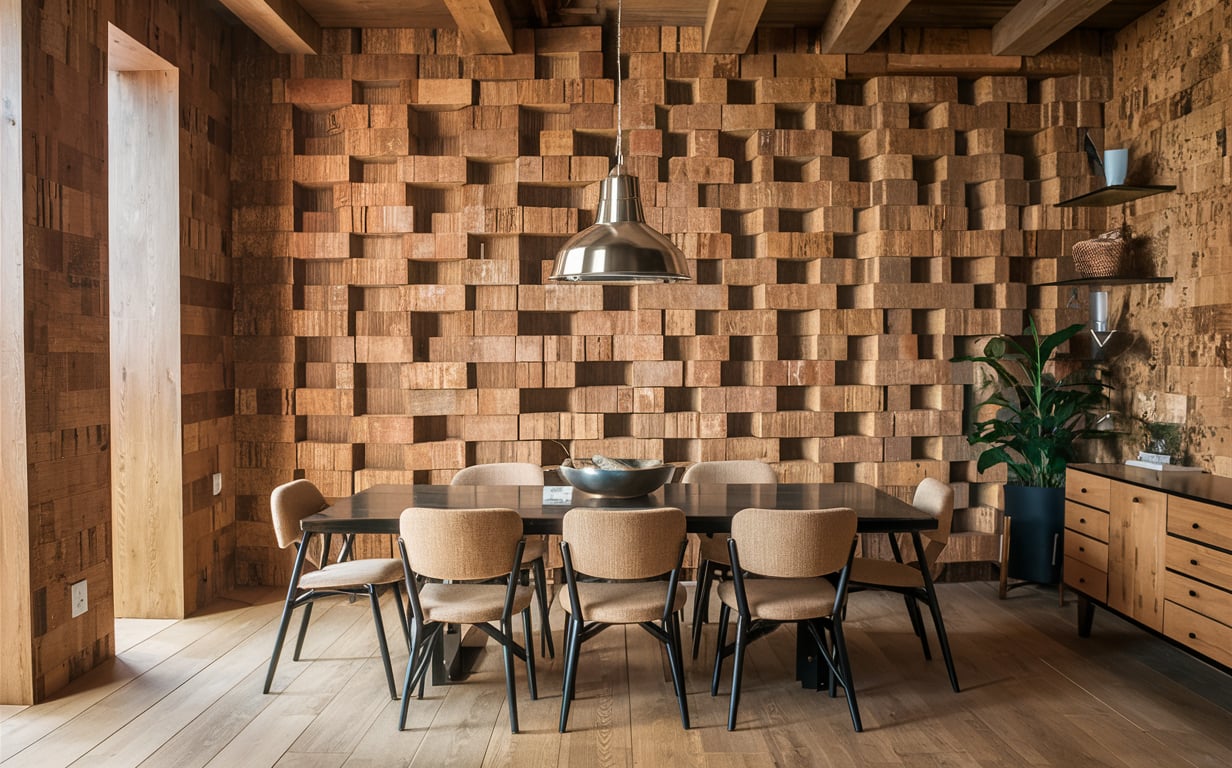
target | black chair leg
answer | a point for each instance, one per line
(674, 653)
(303, 630)
(944, 642)
(737, 670)
(510, 689)
(844, 665)
(917, 624)
(406, 627)
(287, 609)
(720, 642)
(380, 638)
(701, 602)
(531, 682)
(409, 679)
(572, 647)
(547, 647)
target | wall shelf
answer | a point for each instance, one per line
(1114, 195)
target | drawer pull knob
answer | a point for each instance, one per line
(1136, 500)
(1193, 562)
(1082, 490)
(1196, 526)
(1082, 520)
(1193, 635)
(1082, 548)
(1193, 593)
(1082, 580)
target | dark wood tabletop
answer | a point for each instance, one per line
(708, 507)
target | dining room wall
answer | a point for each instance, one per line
(1170, 105)
(851, 223)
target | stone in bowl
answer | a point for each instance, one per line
(637, 477)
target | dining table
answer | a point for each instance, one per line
(708, 508)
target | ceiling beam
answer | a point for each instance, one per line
(282, 24)
(484, 25)
(730, 25)
(1033, 25)
(852, 26)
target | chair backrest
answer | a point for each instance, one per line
(460, 544)
(793, 543)
(730, 472)
(624, 543)
(504, 473)
(289, 504)
(937, 499)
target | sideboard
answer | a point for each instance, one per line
(1154, 547)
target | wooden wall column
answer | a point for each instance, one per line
(16, 657)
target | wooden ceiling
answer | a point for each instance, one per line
(1019, 27)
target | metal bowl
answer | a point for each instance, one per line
(643, 477)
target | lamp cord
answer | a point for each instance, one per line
(620, 155)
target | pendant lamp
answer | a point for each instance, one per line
(619, 248)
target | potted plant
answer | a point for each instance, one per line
(1038, 421)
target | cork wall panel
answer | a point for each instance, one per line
(1170, 105)
(66, 288)
(851, 223)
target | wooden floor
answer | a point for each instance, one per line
(188, 693)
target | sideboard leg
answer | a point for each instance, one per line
(1086, 613)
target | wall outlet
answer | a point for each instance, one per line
(217, 479)
(81, 602)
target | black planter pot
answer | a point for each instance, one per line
(1035, 536)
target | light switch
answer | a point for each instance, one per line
(81, 602)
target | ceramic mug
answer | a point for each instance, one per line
(1116, 163)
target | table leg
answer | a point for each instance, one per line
(1086, 614)
(454, 656)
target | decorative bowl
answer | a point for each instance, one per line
(643, 476)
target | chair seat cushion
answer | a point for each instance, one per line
(885, 573)
(354, 573)
(469, 603)
(622, 602)
(783, 599)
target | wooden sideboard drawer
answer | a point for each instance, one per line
(1198, 597)
(1090, 551)
(1088, 489)
(1086, 579)
(1087, 521)
(1206, 636)
(1204, 522)
(1202, 563)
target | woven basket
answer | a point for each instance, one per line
(1102, 256)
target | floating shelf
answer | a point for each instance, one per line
(1114, 195)
(1108, 281)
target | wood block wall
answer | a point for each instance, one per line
(851, 222)
(67, 380)
(1170, 105)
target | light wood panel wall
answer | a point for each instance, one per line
(1170, 105)
(66, 313)
(851, 221)
(147, 508)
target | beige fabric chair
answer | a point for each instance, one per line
(312, 578)
(520, 473)
(905, 577)
(779, 560)
(465, 547)
(712, 559)
(628, 552)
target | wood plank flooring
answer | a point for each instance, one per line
(188, 693)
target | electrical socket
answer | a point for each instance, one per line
(217, 480)
(81, 601)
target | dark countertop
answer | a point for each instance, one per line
(1199, 486)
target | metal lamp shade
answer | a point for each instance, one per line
(619, 247)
